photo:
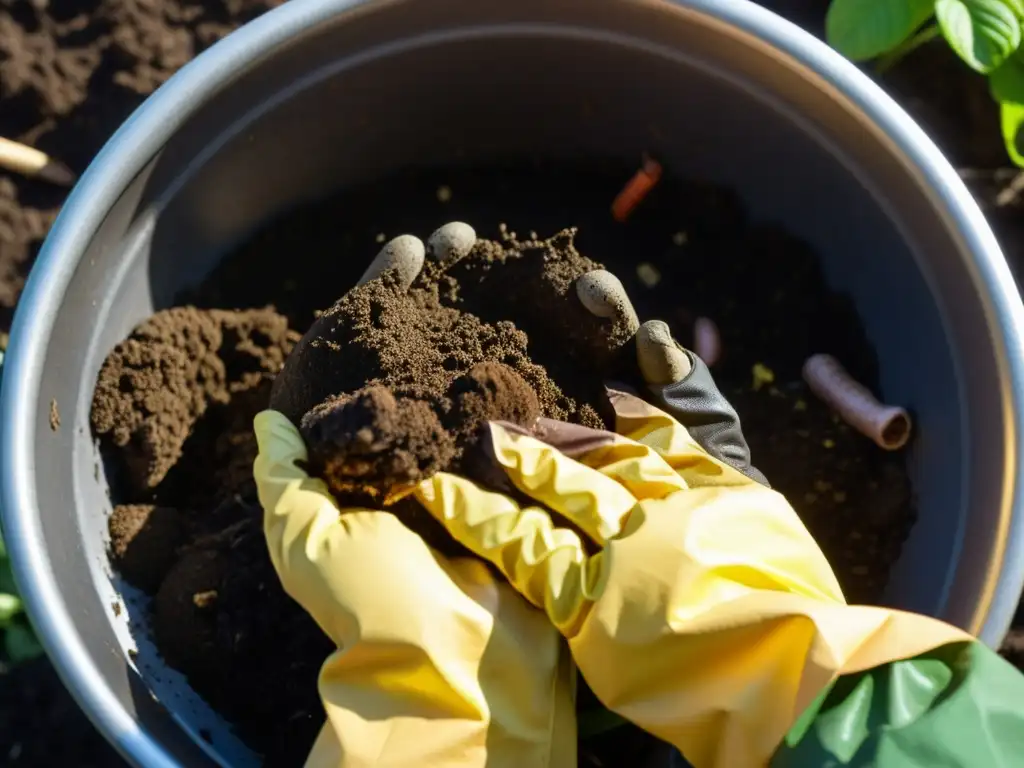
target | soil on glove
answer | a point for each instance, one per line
(404, 379)
(437, 371)
(371, 447)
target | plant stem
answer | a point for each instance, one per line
(886, 62)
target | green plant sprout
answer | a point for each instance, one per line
(17, 640)
(986, 34)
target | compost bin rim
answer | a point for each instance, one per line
(141, 137)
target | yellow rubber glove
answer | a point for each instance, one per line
(708, 616)
(438, 663)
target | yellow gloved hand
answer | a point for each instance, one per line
(438, 663)
(708, 615)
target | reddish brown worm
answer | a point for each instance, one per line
(888, 425)
(636, 189)
(707, 340)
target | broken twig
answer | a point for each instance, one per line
(33, 163)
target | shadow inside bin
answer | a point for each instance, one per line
(212, 620)
(162, 702)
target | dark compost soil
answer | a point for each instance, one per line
(33, 702)
(391, 385)
(72, 70)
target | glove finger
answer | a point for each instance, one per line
(451, 242)
(709, 418)
(603, 295)
(593, 502)
(404, 254)
(681, 383)
(636, 467)
(547, 565)
(660, 359)
(280, 449)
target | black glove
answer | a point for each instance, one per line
(696, 403)
(679, 381)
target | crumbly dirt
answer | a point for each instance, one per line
(156, 384)
(418, 342)
(439, 371)
(71, 71)
(491, 392)
(144, 539)
(371, 445)
(388, 386)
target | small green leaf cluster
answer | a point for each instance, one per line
(986, 34)
(17, 640)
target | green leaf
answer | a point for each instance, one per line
(10, 606)
(1012, 118)
(1007, 82)
(982, 32)
(864, 29)
(21, 643)
(1007, 87)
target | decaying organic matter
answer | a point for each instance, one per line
(143, 540)
(156, 384)
(392, 382)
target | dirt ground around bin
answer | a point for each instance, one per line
(72, 70)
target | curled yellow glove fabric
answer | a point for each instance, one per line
(438, 662)
(707, 616)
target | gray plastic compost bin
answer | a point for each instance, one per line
(324, 93)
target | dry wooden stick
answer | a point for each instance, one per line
(33, 163)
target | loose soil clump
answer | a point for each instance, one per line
(156, 384)
(143, 541)
(390, 385)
